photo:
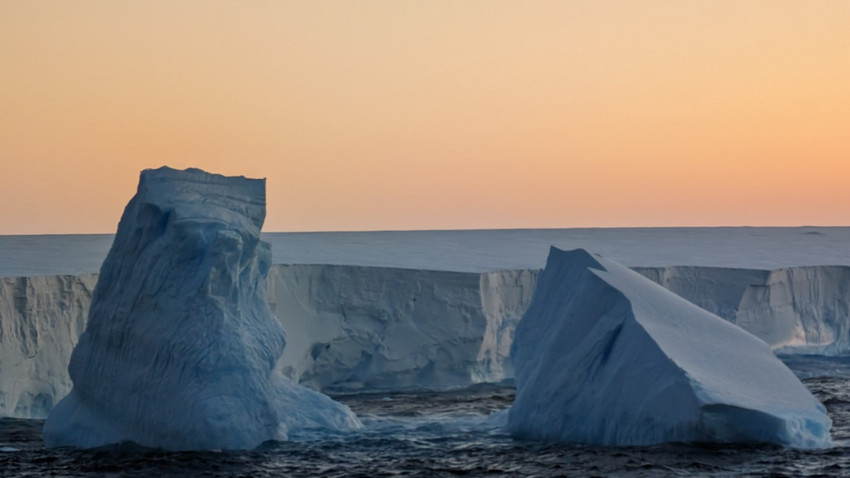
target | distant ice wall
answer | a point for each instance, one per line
(803, 310)
(505, 296)
(353, 327)
(41, 319)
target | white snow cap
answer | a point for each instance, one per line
(606, 356)
(180, 344)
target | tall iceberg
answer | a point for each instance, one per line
(606, 356)
(180, 344)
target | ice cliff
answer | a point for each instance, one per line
(180, 344)
(605, 356)
(355, 328)
(803, 310)
(41, 319)
(343, 322)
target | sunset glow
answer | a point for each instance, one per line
(432, 115)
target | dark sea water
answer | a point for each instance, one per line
(454, 433)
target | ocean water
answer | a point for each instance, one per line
(454, 433)
(481, 250)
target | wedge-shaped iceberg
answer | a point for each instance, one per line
(606, 356)
(180, 344)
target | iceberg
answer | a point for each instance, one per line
(180, 344)
(605, 356)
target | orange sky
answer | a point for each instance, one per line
(432, 114)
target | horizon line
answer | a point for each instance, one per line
(337, 231)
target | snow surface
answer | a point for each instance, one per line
(605, 356)
(482, 250)
(180, 344)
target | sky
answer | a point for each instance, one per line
(388, 115)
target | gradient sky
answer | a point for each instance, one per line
(369, 115)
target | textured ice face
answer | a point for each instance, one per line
(180, 343)
(603, 355)
(335, 318)
(371, 328)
